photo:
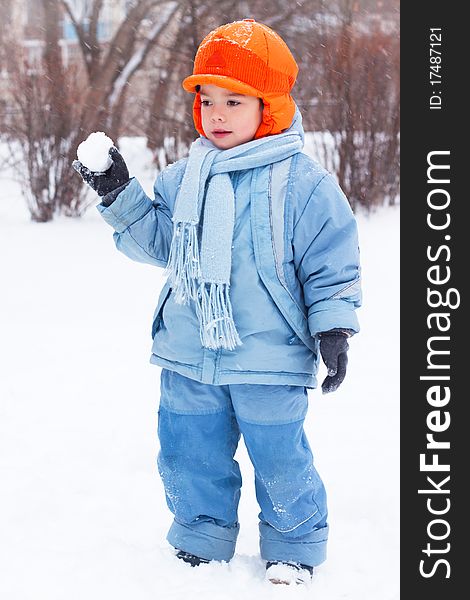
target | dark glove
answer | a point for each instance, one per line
(333, 350)
(103, 183)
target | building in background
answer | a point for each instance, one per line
(22, 31)
(28, 26)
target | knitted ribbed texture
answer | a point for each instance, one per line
(202, 274)
(243, 64)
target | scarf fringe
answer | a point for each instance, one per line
(183, 268)
(214, 310)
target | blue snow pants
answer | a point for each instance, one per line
(199, 427)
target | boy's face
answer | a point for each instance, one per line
(229, 119)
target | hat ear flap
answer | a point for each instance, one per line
(278, 113)
(197, 118)
(267, 123)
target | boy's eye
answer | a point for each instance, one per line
(229, 102)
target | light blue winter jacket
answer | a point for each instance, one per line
(295, 272)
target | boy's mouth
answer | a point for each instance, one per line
(219, 133)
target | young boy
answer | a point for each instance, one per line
(261, 250)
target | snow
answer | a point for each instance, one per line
(82, 509)
(285, 574)
(93, 152)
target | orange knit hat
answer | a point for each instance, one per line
(248, 58)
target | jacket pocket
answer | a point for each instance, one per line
(157, 315)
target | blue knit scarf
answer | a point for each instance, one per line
(199, 264)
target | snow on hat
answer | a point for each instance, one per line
(248, 58)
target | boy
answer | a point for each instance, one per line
(261, 250)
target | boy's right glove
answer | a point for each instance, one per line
(333, 350)
(103, 183)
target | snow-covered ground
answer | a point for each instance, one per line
(82, 509)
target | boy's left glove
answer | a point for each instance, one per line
(333, 350)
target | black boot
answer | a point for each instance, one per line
(192, 559)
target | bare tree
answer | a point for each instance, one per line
(347, 89)
(39, 130)
(6, 65)
(110, 69)
(58, 105)
(357, 110)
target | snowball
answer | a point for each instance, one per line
(93, 152)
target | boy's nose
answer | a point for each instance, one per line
(217, 115)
